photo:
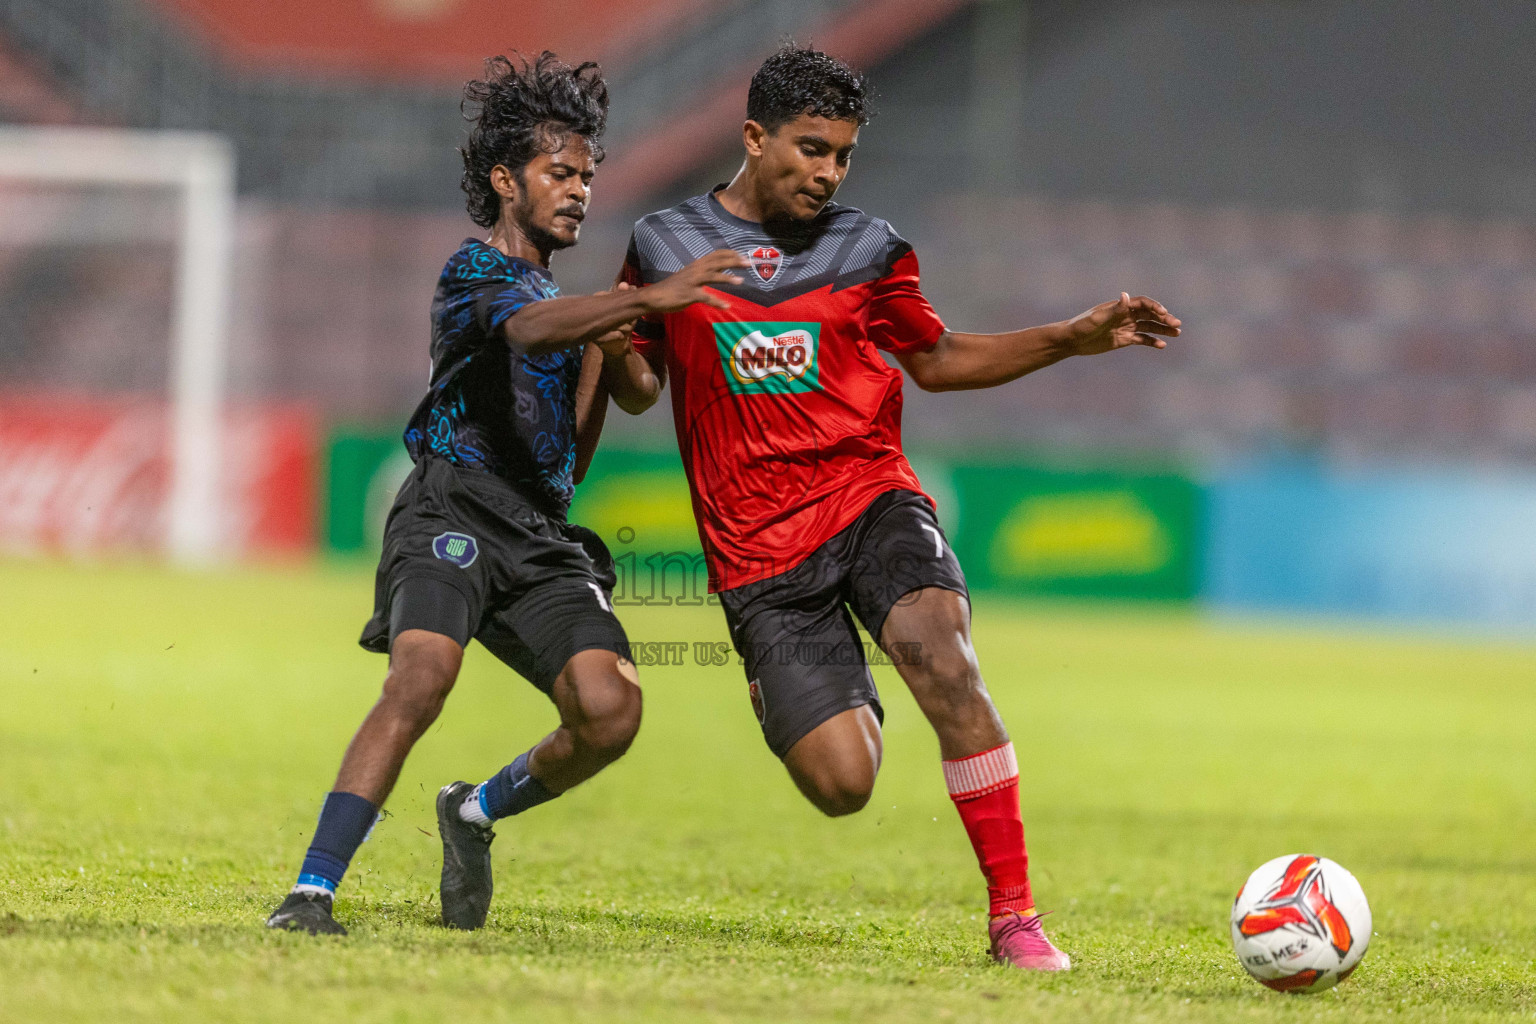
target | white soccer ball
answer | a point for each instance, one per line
(1300, 924)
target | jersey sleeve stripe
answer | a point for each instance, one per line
(830, 250)
(870, 247)
(659, 250)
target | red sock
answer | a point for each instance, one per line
(985, 789)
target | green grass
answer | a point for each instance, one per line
(165, 738)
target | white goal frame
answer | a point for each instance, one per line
(201, 167)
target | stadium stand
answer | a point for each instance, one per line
(1325, 331)
(1351, 336)
(319, 114)
(1329, 351)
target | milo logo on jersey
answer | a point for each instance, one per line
(770, 358)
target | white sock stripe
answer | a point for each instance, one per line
(471, 811)
(981, 773)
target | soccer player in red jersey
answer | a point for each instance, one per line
(788, 420)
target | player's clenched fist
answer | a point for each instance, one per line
(1126, 321)
(692, 283)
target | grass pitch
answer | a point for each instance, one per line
(165, 740)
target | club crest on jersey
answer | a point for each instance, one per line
(766, 263)
(770, 358)
(458, 548)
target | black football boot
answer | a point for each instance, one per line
(466, 886)
(306, 912)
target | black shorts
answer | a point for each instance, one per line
(537, 589)
(804, 659)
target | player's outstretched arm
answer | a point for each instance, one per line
(959, 362)
(554, 324)
(635, 379)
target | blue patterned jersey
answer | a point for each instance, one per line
(491, 408)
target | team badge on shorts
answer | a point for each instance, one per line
(458, 548)
(758, 708)
(766, 263)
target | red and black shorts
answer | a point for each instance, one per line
(795, 631)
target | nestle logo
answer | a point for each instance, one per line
(769, 358)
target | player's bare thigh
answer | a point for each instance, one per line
(937, 617)
(835, 764)
(928, 635)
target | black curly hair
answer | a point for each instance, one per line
(521, 109)
(799, 80)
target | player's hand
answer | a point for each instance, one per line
(692, 283)
(617, 341)
(1126, 321)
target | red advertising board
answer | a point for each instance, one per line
(86, 474)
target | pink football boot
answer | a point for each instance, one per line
(1021, 941)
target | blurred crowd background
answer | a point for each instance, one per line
(1337, 196)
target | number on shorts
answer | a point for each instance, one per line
(602, 600)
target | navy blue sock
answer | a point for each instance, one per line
(345, 820)
(512, 790)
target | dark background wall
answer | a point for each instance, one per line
(1400, 105)
(1339, 198)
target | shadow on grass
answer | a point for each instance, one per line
(534, 929)
(700, 945)
(537, 928)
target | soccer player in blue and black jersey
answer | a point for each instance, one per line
(477, 543)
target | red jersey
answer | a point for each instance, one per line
(788, 419)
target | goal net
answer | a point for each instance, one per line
(114, 298)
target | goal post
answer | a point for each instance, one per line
(200, 167)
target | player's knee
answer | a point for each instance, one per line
(838, 797)
(952, 676)
(421, 674)
(835, 764)
(610, 714)
(950, 666)
(416, 697)
(839, 789)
